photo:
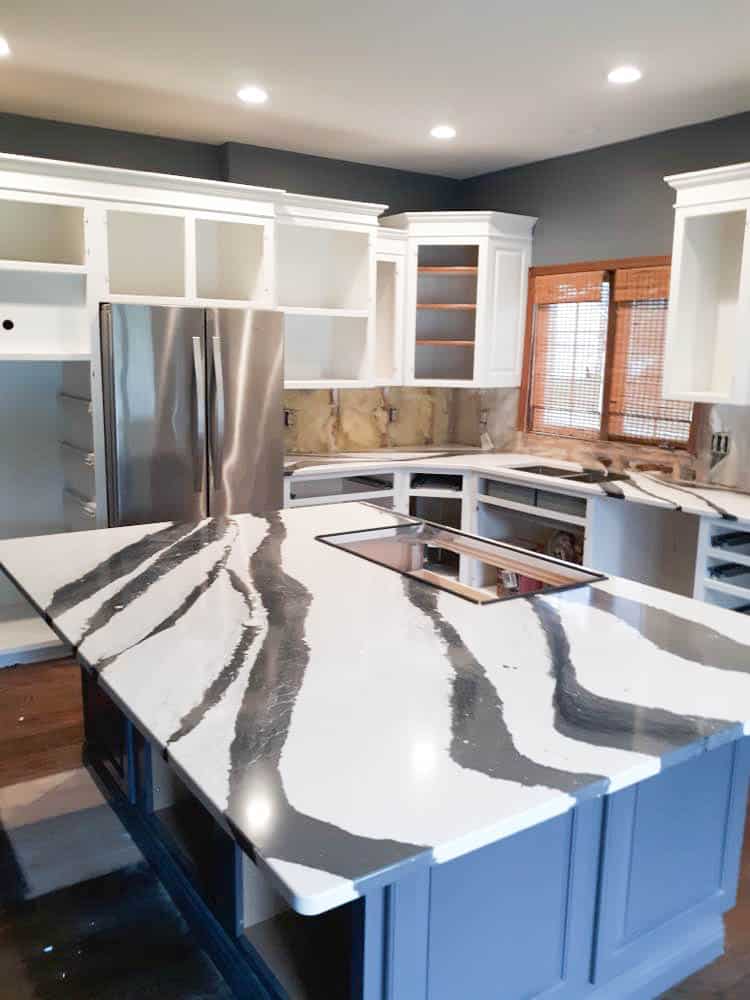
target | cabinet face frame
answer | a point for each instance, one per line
(410, 325)
(738, 390)
(700, 194)
(505, 319)
(398, 262)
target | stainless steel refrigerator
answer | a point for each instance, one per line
(193, 411)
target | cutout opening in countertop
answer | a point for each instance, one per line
(427, 552)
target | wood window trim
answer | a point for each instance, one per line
(611, 264)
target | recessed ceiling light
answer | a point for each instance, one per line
(443, 132)
(4, 47)
(253, 95)
(624, 74)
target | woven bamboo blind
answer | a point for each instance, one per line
(584, 286)
(636, 408)
(570, 339)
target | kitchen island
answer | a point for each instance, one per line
(356, 784)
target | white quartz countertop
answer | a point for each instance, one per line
(646, 488)
(348, 722)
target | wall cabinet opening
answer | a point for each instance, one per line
(43, 316)
(229, 260)
(445, 325)
(706, 321)
(324, 348)
(41, 233)
(322, 268)
(388, 304)
(146, 254)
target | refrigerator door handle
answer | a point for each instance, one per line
(218, 436)
(199, 455)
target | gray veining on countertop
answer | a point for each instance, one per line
(702, 499)
(344, 719)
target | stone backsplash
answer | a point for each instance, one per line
(326, 420)
(331, 420)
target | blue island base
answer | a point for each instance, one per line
(622, 897)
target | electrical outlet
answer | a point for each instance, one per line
(484, 417)
(392, 414)
(290, 418)
(720, 444)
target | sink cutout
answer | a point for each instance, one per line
(417, 549)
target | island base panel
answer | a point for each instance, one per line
(621, 897)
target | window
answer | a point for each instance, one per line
(595, 349)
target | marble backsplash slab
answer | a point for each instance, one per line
(329, 421)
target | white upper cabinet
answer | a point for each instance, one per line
(325, 284)
(465, 297)
(390, 302)
(707, 357)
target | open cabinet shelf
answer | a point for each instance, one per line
(42, 356)
(40, 267)
(423, 342)
(322, 268)
(446, 305)
(705, 320)
(41, 233)
(229, 261)
(448, 270)
(146, 253)
(322, 349)
(707, 356)
(314, 311)
(43, 316)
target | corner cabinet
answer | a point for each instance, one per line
(707, 354)
(465, 296)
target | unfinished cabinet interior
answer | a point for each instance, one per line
(707, 356)
(465, 296)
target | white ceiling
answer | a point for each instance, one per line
(366, 80)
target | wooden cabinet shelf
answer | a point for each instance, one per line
(447, 269)
(430, 342)
(447, 305)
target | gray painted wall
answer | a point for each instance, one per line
(107, 147)
(611, 201)
(606, 202)
(304, 174)
(237, 162)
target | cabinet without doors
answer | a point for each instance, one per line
(707, 356)
(466, 282)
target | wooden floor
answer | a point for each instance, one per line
(40, 720)
(40, 734)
